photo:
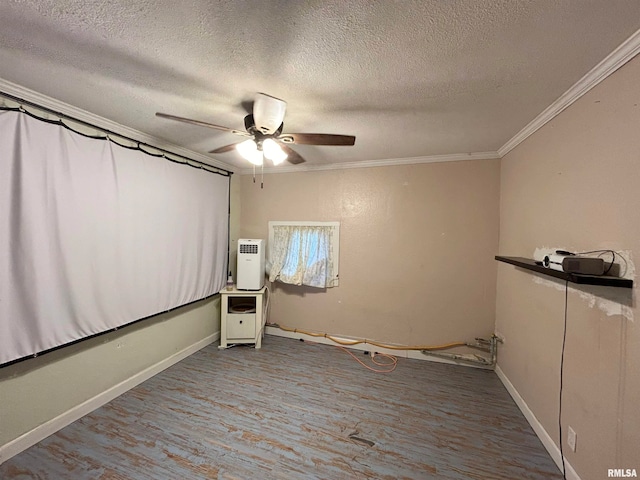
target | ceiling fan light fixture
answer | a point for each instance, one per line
(273, 151)
(249, 151)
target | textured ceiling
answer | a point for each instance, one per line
(407, 78)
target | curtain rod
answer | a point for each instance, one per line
(107, 132)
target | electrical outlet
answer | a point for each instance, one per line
(571, 439)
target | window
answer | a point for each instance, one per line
(304, 253)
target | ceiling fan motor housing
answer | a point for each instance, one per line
(259, 135)
(268, 113)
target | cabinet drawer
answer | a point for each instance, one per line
(241, 325)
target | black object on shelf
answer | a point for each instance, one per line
(604, 280)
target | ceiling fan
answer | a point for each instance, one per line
(264, 127)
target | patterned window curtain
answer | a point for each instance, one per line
(303, 255)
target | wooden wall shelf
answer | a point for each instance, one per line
(605, 280)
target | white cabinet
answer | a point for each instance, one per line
(242, 317)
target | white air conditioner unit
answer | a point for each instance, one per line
(251, 263)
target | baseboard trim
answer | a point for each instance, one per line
(545, 438)
(41, 432)
(415, 354)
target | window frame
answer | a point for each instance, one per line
(335, 241)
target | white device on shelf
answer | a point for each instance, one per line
(251, 264)
(574, 264)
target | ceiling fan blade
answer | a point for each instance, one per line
(317, 139)
(292, 156)
(202, 124)
(225, 149)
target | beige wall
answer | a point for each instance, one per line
(576, 184)
(416, 249)
(38, 390)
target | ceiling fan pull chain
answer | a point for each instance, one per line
(262, 178)
(254, 174)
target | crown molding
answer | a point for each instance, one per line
(616, 59)
(454, 157)
(101, 122)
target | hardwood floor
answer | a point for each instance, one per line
(297, 410)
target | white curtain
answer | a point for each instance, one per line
(302, 255)
(94, 236)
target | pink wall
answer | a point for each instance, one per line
(416, 249)
(575, 184)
